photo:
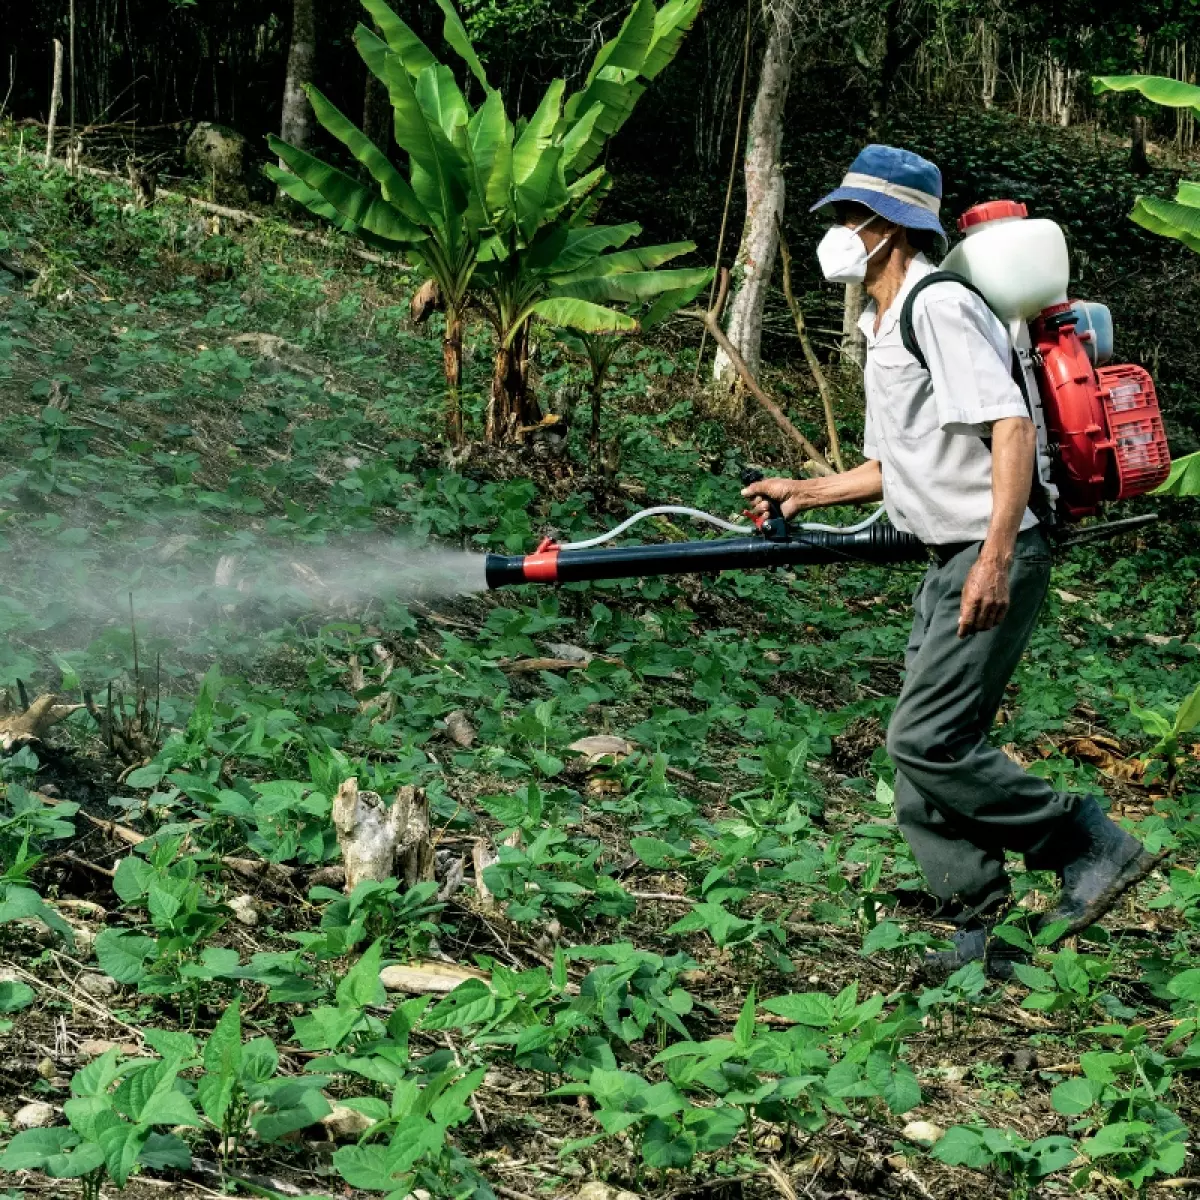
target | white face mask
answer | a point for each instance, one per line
(842, 255)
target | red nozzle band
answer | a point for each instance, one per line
(542, 565)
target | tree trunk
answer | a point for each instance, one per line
(296, 126)
(764, 201)
(1139, 160)
(55, 103)
(511, 404)
(594, 432)
(854, 344)
(452, 350)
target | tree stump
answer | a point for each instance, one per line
(379, 842)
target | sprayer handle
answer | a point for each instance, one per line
(774, 524)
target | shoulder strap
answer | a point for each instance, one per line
(907, 333)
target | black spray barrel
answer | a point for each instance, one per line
(881, 544)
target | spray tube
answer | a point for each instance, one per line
(773, 544)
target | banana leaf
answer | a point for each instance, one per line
(562, 248)
(438, 172)
(671, 25)
(538, 133)
(618, 100)
(400, 39)
(361, 205)
(394, 186)
(1168, 219)
(1184, 479)
(441, 100)
(542, 196)
(455, 34)
(489, 160)
(1159, 88)
(581, 315)
(641, 258)
(1188, 193)
(627, 51)
(579, 136)
(671, 302)
(634, 285)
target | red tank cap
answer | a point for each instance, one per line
(993, 210)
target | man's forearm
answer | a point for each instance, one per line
(857, 486)
(1014, 449)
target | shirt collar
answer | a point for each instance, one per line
(917, 269)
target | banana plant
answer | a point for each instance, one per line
(480, 189)
(599, 350)
(567, 278)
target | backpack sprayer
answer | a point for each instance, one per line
(1100, 432)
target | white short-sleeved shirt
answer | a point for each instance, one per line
(925, 427)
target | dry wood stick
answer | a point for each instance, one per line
(712, 322)
(814, 365)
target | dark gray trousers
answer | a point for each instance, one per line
(960, 801)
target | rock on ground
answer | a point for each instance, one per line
(37, 1115)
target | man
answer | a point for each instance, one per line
(950, 448)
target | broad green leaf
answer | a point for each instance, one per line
(579, 137)
(15, 995)
(807, 1008)
(441, 101)
(743, 1031)
(223, 1050)
(122, 953)
(640, 258)
(456, 36)
(363, 206)
(489, 135)
(1188, 715)
(1186, 985)
(671, 24)
(21, 903)
(627, 51)
(669, 303)
(121, 1144)
(134, 878)
(618, 100)
(633, 285)
(894, 1081)
(665, 1146)
(582, 315)
(400, 39)
(361, 986)
(1168, 219)
(562, 251)
(165, 1152)
(1157, 88)
(294, 1106)
(33, 1148)
(438, 172)
(471, 1003)
(1073, 1096)
(395, 187)
(962, 1147)
(215, 1093)
(538, 134)
(1184, 478)
(171, 1044)
(151, 1097)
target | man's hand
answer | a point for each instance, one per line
(984, 595)
(789, 492)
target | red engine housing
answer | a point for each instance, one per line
(1105, 423)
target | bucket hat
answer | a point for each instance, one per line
(897, 184)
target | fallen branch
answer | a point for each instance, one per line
(712, 322)
(32, 723)
(242, 216)
(814, 364)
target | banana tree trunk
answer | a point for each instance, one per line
(452, 353)
(511, 404)
(296, 125)
(764, 199)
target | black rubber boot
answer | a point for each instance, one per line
(1104, 863)
(974, 942)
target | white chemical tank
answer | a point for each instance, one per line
(1020, 265)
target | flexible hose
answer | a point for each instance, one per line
(676, 510)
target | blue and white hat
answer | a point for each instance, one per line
(897, 184)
